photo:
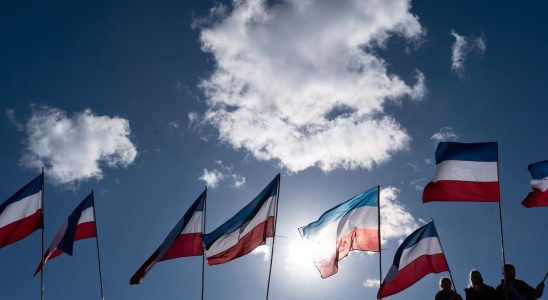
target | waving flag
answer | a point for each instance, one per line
(185, 239)
(539, 195)
(246, 230)
(464, 172)
(419, 255)
(80, 225)
(352, 225)
(21, 214)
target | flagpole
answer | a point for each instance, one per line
(203, 249)
(448, 268)
(273, 239)
(97, 243)
(500, 210)
(42, 251)
(379, 234)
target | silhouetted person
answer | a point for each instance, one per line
(515, 289)
(445, 292)
(477, 290)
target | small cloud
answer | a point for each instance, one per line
(415, 183)
(414, 167)
(371, 283)
(445, 134)
(263, 250)
(428, 161)
(173, 125)
(193, 119)
(462, 48)
(213, 177)
(10, 114)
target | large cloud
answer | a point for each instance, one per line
(74, 148)
(300, 81)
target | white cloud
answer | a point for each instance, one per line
(444, 134)
(76, 148)
(371, 283)
(396, 221)
(263, 250)
(173, 125)
(416, 183)
(10, 114)
(414, 167)
(300, 82)
(213, 177)
(462, 48)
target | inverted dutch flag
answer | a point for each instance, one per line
(539, 195)
(185, 239)
(352, 225)
(80, 225)
(246, 230)
(419, 255)
(464, 172)
(21, 214)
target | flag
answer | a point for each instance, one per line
(419, 255)
(80, 225)
(21, 214)
(464, 172)
(352, 225)
(246, 230)
(539, 195)
(185, 239)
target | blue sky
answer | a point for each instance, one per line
(147, 101)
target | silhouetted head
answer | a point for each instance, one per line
(509, 272)
(445, 284)
(475, 279)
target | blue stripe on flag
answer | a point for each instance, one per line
(30, 188)
(67, 242)
(426, 231)
(539, 170)
(244, 215)
(367, 198)
(486, 152)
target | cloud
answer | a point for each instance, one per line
(413, 166)
(213, 177)
(263, 250)
(396, 221)
(173, 125)
(444, 134)
(371, 283)
(78, 147)
(416, 183)
(300, 82)
(462, 48)
(10, 114)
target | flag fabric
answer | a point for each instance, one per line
(184, 240)
(21, 214)
(352, 225)
(80, 225)
(539, 183)
(419, 255)
(246, 230)
(464, 172)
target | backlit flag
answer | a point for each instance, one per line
(80, 225)
(464, 172)
(539, 195)
(419, 255)
(352, 225)
(185, 239)
(21, 214)
(246, 230)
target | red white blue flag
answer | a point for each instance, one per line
(246, 230)
(419, 255)
(539, 195)
(464, 172)
(21, 214)
(185, 239)
(352, 225)
(80, 225)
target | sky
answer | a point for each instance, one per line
(147, 102)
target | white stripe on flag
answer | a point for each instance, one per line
(362, 217)
(459, 170)
(426, 246)
(230, 240)
(195, 224)
(86, 216)
(21, 209)
(540, 184)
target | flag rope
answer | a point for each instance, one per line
(379, 221)
(273, 237)
(203, 246)
(97, 244)
(443, 251)
(42, 250)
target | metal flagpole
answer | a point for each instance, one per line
(441, 246)
(379, 225)
(203, 247)
(273, 238)
(500, 210)
(42, 251)
(97, 243)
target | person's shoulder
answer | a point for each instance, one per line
(488, 287)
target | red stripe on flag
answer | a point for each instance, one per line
(189, 244)
(358, 239)
(536, 198)
(85, 231)
(20, 229)
(413, 272)
(246, 244)
(452, 190)
(137, 278)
